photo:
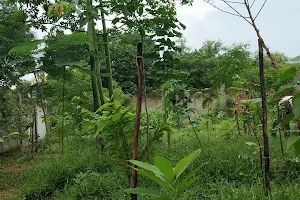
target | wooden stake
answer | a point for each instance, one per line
(264, 118)
(138, 114)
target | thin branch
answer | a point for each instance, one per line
(260, 9)
(245, 18)
(225, 10)
(252, 3)
(236, 2)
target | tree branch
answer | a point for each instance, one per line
(252, 3)
(225, 10)
(273, 60)
(245, 18)
(260, 9)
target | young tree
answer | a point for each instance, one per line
(250, 18)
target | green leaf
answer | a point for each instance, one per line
(297, 147)
(102, 124)
(126, 12)
(143, 191)
(116, 20)
(141, 10)
(14, 133)
(252, 144)
(293, 139)
(116, 116)
(146, 166)
(165, 166)
(288, 74)
(87, 125)
(286, 120)
(1, 140)
(102, 107)
(26, 49)
(184, 163)
(296, 105)
(184, 186)
(117, 104)
(161, 182)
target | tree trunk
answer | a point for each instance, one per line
(97, 63)
(147, 122)
(107, 53)
(264, 118)
(92, 53)
(138, 114)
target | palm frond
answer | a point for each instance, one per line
(26, 49)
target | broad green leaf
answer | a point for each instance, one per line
(283, 90)
(296, 105)
(293, 139)
(297, 147)
(102, 124)
(183, 187)
(104, 106)
(1, 140)
(117, 104)
(190, 175)
(146, 166)
(87, 125)
(184, 163)
(143, 191)
(141, 10)
(252, 144)
(116, 116)
(14, 133)
(286, 120)
(165, 166)
(159, 181)
(115, 20)
(289, 73)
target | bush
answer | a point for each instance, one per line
(53, 172)
(94, 185)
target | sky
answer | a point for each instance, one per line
(278, 23)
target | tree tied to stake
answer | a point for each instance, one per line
(139, 61)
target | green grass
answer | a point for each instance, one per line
(230, 170)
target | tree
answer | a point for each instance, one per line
(197, 64)
(13, 31)
(250, 18)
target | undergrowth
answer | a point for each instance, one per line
(230, 170)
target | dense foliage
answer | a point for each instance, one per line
(200, 131)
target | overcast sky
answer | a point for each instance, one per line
(278, 24)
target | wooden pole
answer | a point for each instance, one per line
(138, 114)
(63, 111)
(264, 118)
